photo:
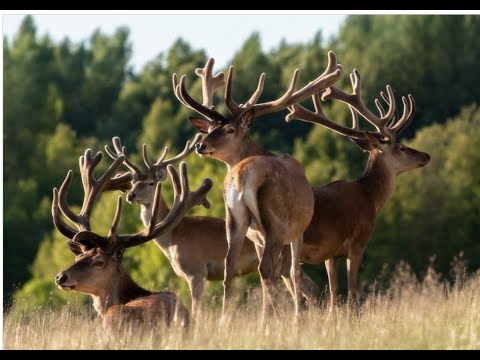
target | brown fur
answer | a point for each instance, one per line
(196, 247)
(117, 298)
(164, 307)
(267, 197)
(345, 212)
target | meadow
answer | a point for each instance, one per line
(408, 314)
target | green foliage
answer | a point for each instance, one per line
(432, 57)
(327, 156)
(62, 98)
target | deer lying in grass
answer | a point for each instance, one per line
(345, 211)
(267, 196)
(197, 246)
(97, 270)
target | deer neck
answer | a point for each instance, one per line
(249, 148)
(121, 290)
(146, 211)
(378, 180)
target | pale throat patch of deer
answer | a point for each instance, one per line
(145, 213)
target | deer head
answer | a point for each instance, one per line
(98, 257)
(226, 135)
(399, 157)
(142, 187)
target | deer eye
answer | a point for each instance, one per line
(151, 183)
(403, 149)
(230, 131)
(98, 263)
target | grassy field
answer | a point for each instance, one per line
(408, 315)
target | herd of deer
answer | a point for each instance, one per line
(275, 220)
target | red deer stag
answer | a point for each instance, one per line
(197, 246)
(267, 196)
(345, 211)
(97, 270)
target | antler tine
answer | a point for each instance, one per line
(62, 204)
(407, 116)
(355, 100)
(232, 106)
(156, 207)
(184, 200)
(355, 123)
(318, 117)
(91, 186)
(100, 184)
(92, 190)
(116, 219)
(183, 96)
(397, 126)
(120, 182)
(161, 162)
(332, 65)
(150, 165)
(162, 157)
(332, 74)
(187, 150)
(210, 82)
(121, 150)
(258, 92)
(238, 110)
(288, 94)
(60, 225)
(176, 90)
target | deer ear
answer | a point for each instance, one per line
(247, 119)
(161, 174)
(373, 141)
(75, 247)
(89, 240)
(201, 125)
(362, 144)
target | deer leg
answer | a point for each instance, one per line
(353, 267)
(196, 284)
(269, 272)
(310, 290)
(286, 260)
(237, 226)
(259, 250)
(332, 271)
(296, 248)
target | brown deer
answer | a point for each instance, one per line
(97, 270)
(345, 211)
(267, 196)
(197, 246)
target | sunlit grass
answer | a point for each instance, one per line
(408, 315)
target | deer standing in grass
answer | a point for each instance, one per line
(197, 246)
(97, 270)
(267, 196)
(345, 211)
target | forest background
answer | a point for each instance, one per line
(61, 97)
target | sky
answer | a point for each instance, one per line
(220, 35)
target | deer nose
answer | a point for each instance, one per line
(427, 157)
(130, 196)
(61, 278)
(199, 147)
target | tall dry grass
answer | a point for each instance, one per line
(430, 314)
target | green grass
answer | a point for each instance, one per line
(408, 315)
